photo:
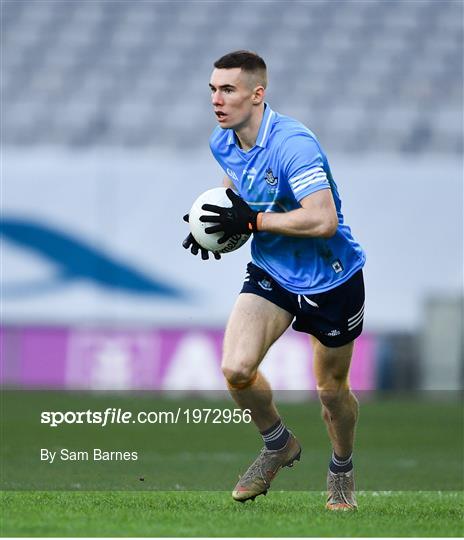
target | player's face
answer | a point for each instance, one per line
(232, 97)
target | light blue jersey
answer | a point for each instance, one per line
(285, 165)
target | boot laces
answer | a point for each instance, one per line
(340, 485)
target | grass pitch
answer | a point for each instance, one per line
(424, 514)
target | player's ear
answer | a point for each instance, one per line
(258, 95)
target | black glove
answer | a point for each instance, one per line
(194, 246)
(238, 219)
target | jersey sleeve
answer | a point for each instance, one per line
(303, 165)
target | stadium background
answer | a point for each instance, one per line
(105, 119)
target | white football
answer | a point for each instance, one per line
(218, 197)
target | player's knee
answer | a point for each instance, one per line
(332, 391)
(330, 399)
(239, 376)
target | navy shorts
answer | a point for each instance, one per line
(334, 317)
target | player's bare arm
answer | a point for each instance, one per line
(317, 217)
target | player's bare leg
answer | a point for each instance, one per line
(340, 414)
(257, 397)
(254, 325)
(339, 405)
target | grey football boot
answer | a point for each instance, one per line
(341, 491)
(257, 479)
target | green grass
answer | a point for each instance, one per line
(408, 458)
(424, 514)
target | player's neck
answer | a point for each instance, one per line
(248, 134)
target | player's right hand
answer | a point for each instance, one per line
(194, 246)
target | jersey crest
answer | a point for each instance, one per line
(270, 178)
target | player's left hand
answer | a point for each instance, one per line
(237, 219)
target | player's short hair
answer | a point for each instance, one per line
(248, 61)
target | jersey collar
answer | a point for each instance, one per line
(264, 128)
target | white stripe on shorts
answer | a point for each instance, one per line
(357, 314)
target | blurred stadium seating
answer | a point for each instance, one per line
(366, 75)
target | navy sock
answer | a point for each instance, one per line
(341, 464)
(276, 436)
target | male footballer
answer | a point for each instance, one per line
(306, 270)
